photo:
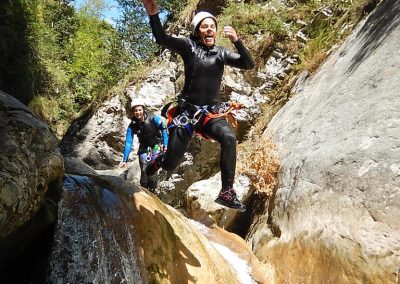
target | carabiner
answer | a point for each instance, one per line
(149, 154)
(181, 120)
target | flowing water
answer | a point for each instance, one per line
(94, 239)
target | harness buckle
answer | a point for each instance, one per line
(181, 120)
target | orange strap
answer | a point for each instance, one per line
(234, 105)
(228, 114)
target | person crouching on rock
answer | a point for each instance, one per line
(153, 140)
(200, 99)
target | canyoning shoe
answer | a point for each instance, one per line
(154, 166)
(228, 198)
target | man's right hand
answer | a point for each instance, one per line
(123, 165)
(150, 6)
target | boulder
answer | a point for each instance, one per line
(201, 206)
(98, 140)
(336, 212)
(178, 250)
(122, 233)
(30, 169)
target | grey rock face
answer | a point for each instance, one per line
(339, 181)
(29, 161)
(99, 142)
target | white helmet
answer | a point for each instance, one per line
(137, 102)
(200, 16)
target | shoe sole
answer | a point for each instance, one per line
(223, 203)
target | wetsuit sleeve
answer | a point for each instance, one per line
(242, 59)
(175, 44)
(160, 125)
(128, 143)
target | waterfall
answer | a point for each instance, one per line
(94, 240)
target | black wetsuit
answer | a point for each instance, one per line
(204, 67)
(148, 133)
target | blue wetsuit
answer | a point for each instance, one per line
(149, 132)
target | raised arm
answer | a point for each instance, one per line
(150, 6)
(179, 45)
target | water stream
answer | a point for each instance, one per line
(94, 240)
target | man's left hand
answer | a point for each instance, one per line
(231, 33)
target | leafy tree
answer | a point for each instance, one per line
(18, 67)
(134, 25)
(80, 57)
(89, 54)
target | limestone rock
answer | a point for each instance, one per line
(159, 85)
(29, 161)
(200, 201)
(177, 250)
(99, 141)
(132, 237)
(336, 213)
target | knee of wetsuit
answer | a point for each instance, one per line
(229, 138)
(170, 164)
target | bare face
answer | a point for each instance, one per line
(138, 112)
(208, 32)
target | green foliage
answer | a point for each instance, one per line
(317, 47)
(134, 25)
(91, 56)
(63, 58)
(252, 19)
(18, 68)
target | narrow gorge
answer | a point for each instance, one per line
(318, 169)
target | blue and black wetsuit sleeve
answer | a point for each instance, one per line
(179, 45)
(128, 143)
(242, 59)
(160, 125)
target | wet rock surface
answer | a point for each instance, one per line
(31, 168)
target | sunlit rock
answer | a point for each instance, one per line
(99, 139)
(202, 207)
(177, 250)
(112, 233)
(336, 212)
(157, 86)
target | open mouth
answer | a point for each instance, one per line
(208, 39)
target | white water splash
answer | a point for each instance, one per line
(243, 271)
(240, 266)
(94, 239)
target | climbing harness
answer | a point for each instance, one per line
(150, 153)
(193, 117)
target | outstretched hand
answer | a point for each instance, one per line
(230, 33)
(123, 165)
(150, 6)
